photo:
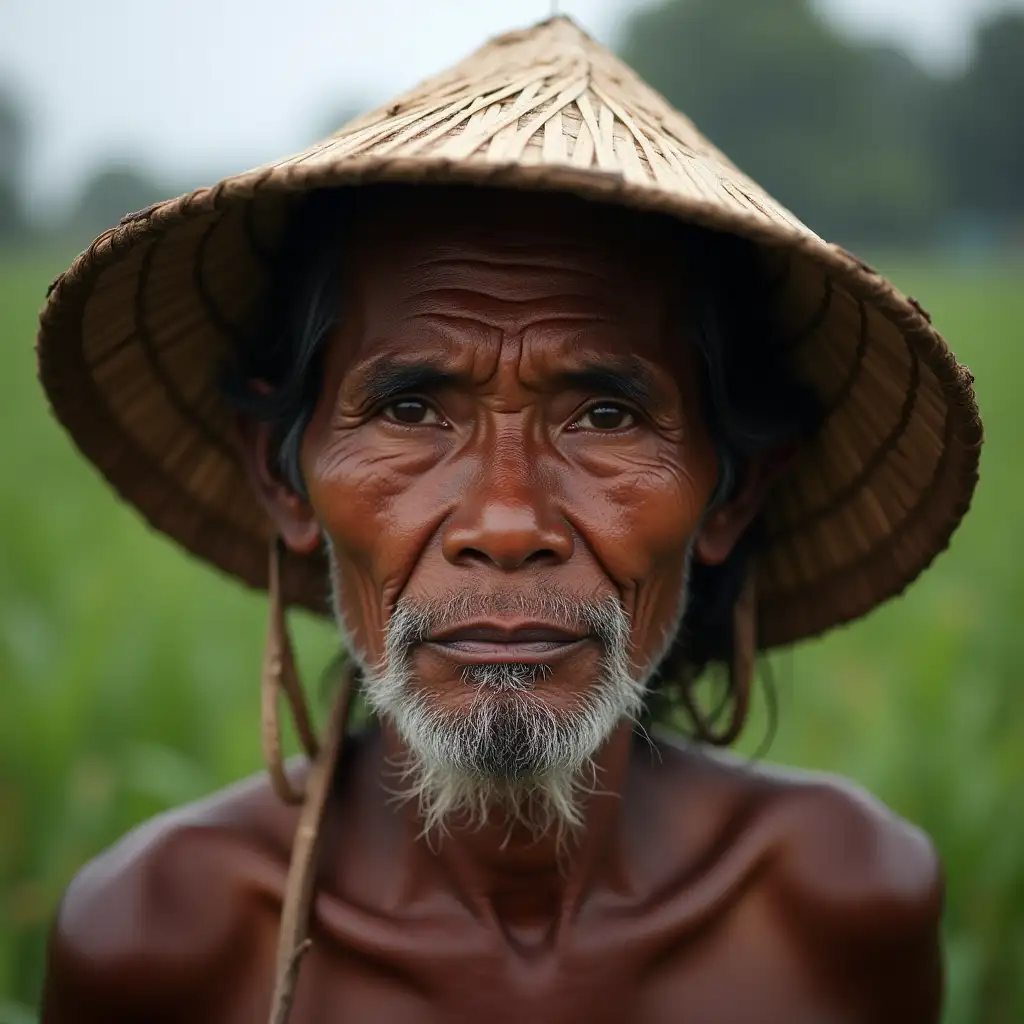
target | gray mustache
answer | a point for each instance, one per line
(416, 619)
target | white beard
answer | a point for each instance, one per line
(511, 752)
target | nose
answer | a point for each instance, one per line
(507, 520)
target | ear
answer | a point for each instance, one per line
(724, 527)
(293, 516)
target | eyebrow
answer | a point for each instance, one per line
(629, 380)
(386, 379)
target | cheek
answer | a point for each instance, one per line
(640, 509)
(379, 504)
(640, 515)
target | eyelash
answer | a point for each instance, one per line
(606, 403)
(629, 410)
(382, 408)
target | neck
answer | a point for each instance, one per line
(523, 882)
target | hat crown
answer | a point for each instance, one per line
(551, 96)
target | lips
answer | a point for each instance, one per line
(501, 633)
(479, 642)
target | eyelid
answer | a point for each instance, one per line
(382, 406)
(596, 403)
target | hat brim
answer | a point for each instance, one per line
(133, 336)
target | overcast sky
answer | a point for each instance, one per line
(208, 87)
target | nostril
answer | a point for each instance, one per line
(546, 556)
(509, 559)
(475, 555)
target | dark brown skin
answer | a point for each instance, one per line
(700, 888)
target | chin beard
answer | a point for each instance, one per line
(511, 753)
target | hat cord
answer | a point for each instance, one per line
(280, 674)
(741, 673)
(293, 940)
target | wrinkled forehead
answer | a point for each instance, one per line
(512, 262)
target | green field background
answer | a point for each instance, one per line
(130, 673)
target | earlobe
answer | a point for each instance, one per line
(725, 525)
(720, 532)
(301, 536)
(291, 514)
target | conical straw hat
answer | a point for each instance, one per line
(135, 332)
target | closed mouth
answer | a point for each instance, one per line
(492, 642)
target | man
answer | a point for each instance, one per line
(555, 409)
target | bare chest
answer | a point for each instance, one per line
(642, 965)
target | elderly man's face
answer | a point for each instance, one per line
(510, 443)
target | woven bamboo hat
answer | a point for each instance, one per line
(134, 334)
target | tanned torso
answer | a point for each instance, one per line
(752, 897)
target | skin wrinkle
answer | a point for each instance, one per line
(511, 379)
(492, 342)
(497, 447)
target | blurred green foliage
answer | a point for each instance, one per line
(853, 136)
(130, 672)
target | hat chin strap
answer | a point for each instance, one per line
(279, 673)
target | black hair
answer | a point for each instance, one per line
(753, 403)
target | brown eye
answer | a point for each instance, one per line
(606, 416)
(411, 412)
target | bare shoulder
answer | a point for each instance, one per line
(844, 849)
(838, 851)
(854, 888)
(159, 913)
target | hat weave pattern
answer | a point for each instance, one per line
(134, 333)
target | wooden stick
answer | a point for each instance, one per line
(293, 941)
